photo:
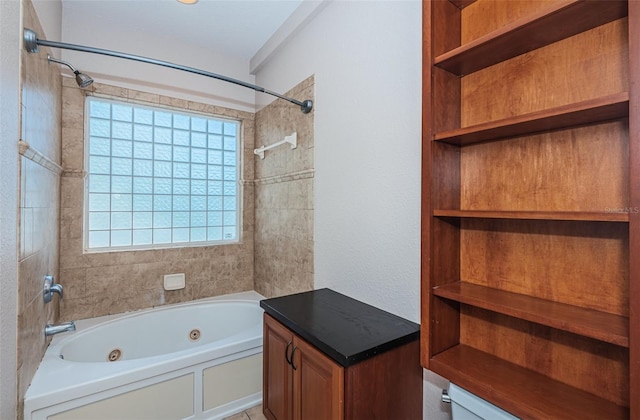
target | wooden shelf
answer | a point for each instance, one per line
(523, 392)
(602, 326)
(535, 215)
(593, 111)
(461, 4)
(562, 20)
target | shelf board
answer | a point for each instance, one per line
(560, 21)
(461, 4)
(591, 323)
(593, 111)
(523, 392)
(536, 215)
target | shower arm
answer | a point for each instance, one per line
(31, 43)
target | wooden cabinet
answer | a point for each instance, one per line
(330, 357)
(531, 203)
(299, 381)
(277, 389)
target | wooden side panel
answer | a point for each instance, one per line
(634, 204)
(446, 103)
(593, 366)
(318, 384)
(440, 180)
(277, 374)
(583, 67)
(445, 245)
(445, 94)
(445, 27)
(575, 263)
(425, 199)
(444, 321)
(397, 378)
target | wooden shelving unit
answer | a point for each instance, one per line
(531, 204)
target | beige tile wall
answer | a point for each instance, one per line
(105, 283)
(39, 203)
(284, 198)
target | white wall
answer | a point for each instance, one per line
(10, 34)
(366, 57)
(50, 15)
(150, 78)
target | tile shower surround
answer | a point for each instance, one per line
(113, 282)
(40, 116)
(104, 283)
(284, 198)
(52, 130)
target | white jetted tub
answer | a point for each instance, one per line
(195, 360)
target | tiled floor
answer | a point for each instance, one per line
(253, 413)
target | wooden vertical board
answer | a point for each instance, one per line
(445, 181)
(440, 180)
(445, 93)
(591, 365)
(446, 101)
(577, 263)
(445, 176)
(444, 320)
(445, 245)
(398, 373)
(634, 204)
(582, 169)
(585, 66)
(445, 27)
(425, 200)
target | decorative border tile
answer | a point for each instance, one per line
(294, 176)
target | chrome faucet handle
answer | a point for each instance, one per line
(49, 288)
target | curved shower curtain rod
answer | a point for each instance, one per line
(31, 43)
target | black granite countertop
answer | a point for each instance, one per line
(345, 329)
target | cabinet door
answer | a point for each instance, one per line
(277, 373)
(318, 384)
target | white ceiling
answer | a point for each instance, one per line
(236, 28)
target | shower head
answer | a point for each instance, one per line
(81, 79)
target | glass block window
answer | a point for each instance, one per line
(158, 177)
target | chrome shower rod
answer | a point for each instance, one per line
(31, 43)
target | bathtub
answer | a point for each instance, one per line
(195, 360)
